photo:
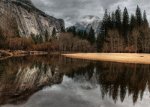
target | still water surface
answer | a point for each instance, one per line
(55, 81)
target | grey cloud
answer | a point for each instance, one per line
(72, 10)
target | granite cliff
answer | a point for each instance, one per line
(28, 18)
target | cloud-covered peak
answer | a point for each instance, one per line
(88, 19)
(72, 10)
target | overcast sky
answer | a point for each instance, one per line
(72, 10)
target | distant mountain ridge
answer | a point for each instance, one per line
(86, 22)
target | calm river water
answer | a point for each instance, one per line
(55, 81)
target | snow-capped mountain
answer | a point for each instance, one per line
(86, 22)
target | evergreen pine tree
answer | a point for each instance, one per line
(104, 27)
(72, 29)
(99, 42)
(103, 31)
(105, 19)
(132, 22)
(109, 22)
(63, 29)
(84, 34)
(91, 36)
(80, 33)
(113, 20)
(125, 23)
(118, 19)
(145, 22)
(46, 36)
(138, 16)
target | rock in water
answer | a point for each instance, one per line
(28, 18)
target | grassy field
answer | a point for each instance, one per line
(113, 57)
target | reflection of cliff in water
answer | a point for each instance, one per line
(116, 80)
(22, 77)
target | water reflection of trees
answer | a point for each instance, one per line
(22, 77)
(118, 80)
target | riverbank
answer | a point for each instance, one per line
(4, 54)
(113, 57)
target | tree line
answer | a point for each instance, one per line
(121, 32)
(83, 34)
(62, 42)
(52, 42)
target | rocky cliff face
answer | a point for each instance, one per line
(29, 19)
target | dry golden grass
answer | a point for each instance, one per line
(113, 57)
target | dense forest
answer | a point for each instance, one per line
(123, 33)
(119, 32)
